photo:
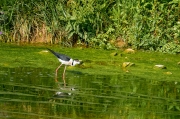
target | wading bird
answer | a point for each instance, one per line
(66, 60)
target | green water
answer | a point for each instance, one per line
(31, 93)
(98, 89)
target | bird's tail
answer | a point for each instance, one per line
(53, 52)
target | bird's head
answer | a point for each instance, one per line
(76, 61)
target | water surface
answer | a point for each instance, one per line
(33, 93)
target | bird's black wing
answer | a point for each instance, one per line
(60, 56)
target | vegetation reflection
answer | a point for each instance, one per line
(35, 94)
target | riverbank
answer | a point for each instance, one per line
(95, 61)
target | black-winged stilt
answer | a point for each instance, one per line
(66, 60)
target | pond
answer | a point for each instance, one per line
(27, 92)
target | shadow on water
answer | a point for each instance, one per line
(33, 93)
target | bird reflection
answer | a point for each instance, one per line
(63, 90)
(56, 80)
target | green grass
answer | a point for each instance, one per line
(95, 61)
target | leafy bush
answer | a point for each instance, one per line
(102, 40)
(171, 48)
(152, 25)
(143, 24)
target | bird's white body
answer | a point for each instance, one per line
(66, 62)
(71, 62)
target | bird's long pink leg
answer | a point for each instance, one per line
(58, 69)
(57, 72)
(64, 75)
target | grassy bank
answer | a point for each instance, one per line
(151, 25)
(95, 61)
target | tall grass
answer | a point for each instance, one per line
(141, 24)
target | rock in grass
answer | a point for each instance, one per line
(114, 54)
(127, 64)
(43, 51)
(129, 50)
(159, 66)
(168, 73)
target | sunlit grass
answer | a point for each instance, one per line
(95, 61)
